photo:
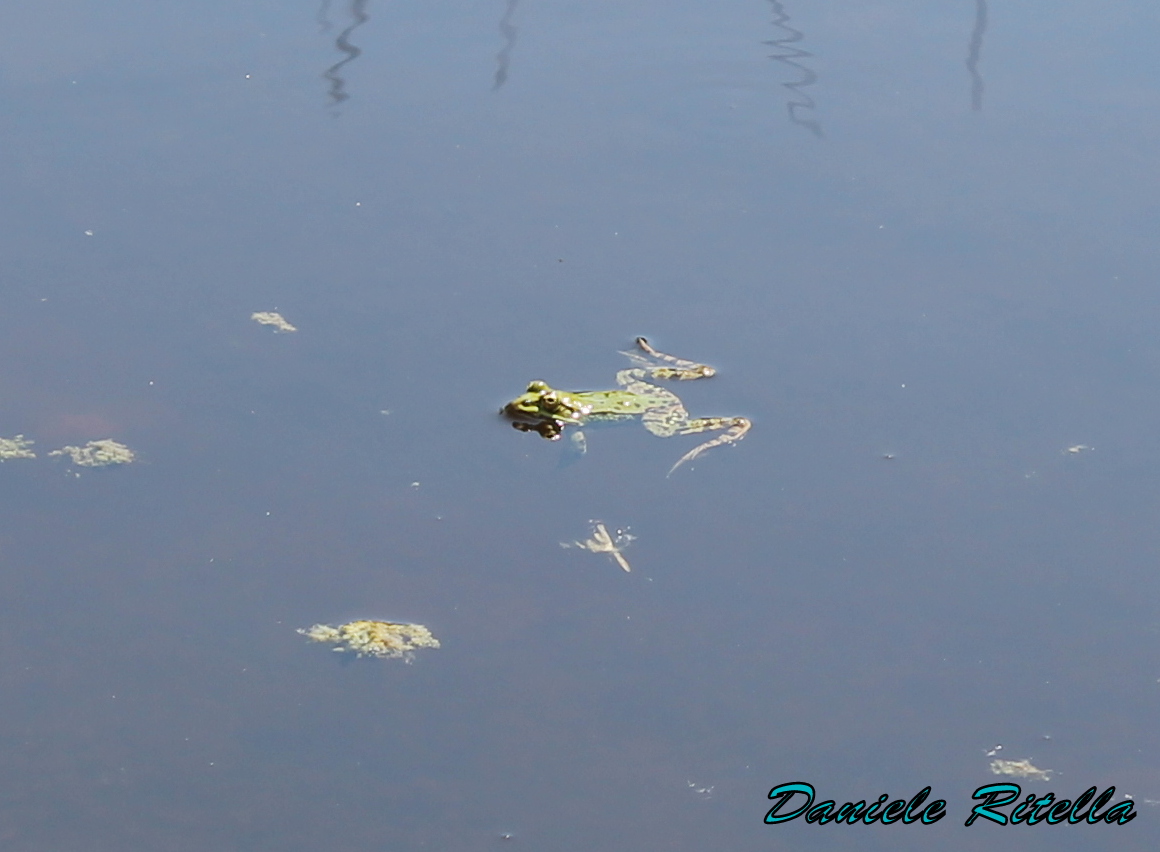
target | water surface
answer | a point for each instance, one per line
(897, 230)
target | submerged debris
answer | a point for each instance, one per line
(1020, 769)
(604, 542)
(272, 318)
(97, 453)
(1078, 448)
(16, 448)
(374, 638)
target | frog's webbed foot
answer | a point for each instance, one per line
(578, 445)
(573, 450)
(678, 368)
(735, 429)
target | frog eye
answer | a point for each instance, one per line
(537, 386)
(549, 398)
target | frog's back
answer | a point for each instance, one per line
(618, 403)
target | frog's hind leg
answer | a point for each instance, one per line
(735, 429)
(678, 368)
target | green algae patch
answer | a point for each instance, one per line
(1020, 769)
(373, 638)
(272, 318)
(97, 454)
(16, 448)
(603, 541)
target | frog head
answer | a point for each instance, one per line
(545, 410)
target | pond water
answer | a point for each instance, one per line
(918, 243)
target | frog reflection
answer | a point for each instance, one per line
(548, 411)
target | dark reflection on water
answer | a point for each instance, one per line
(509, 31)
(800, 105)
(973, 52)
(358, 14)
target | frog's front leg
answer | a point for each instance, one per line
(735, 429)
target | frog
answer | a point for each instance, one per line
(548, 411)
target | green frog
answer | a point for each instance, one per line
(548, 411)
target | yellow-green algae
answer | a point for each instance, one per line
(373, 638)
(97, 453)
(16, 448)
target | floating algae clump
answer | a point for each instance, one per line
(1020, 769)
(272, 318)
(602, 541)
(97, 453)
(374, 638)
(15, 448)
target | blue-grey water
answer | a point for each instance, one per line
(919, 243)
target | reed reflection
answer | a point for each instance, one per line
(357, 11)
(788, 54)
(509, 31)
(973, 51)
